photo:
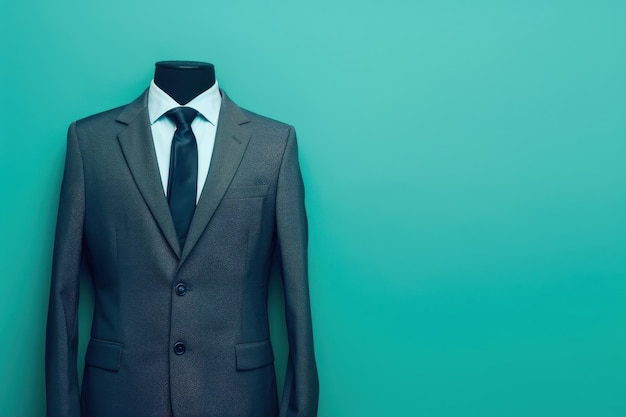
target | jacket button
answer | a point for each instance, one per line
(179, 348)
(181, 289)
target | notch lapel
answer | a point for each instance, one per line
(138, 148)
(231, 141)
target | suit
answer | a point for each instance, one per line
(179, 331)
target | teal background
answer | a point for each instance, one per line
(465, 167)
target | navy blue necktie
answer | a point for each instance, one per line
(183, 178)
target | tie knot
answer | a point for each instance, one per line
(182, 116)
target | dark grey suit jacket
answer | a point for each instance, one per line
(114, 226)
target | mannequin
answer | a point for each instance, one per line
(179, 331)
(184, 80)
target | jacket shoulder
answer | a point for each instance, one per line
(267, 126)
(104, 117)
(107, 120)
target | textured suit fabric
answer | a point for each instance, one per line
(114, 227)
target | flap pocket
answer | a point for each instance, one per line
(104, 354)
(248, 191)
(254, 355)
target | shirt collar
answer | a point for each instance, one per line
(207, 103)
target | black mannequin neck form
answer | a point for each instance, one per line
(184, 80)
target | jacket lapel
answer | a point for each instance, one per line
(231, 140)
(138, 148)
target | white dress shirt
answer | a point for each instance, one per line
(204, 127)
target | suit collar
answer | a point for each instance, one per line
(138, 148)
(231, 140)
(133, 109)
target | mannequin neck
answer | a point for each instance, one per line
(184, 80)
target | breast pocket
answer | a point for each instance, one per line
(248, 191)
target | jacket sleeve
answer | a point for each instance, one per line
(62, 391)
(301, 391)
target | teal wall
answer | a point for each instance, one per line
(465, 164)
